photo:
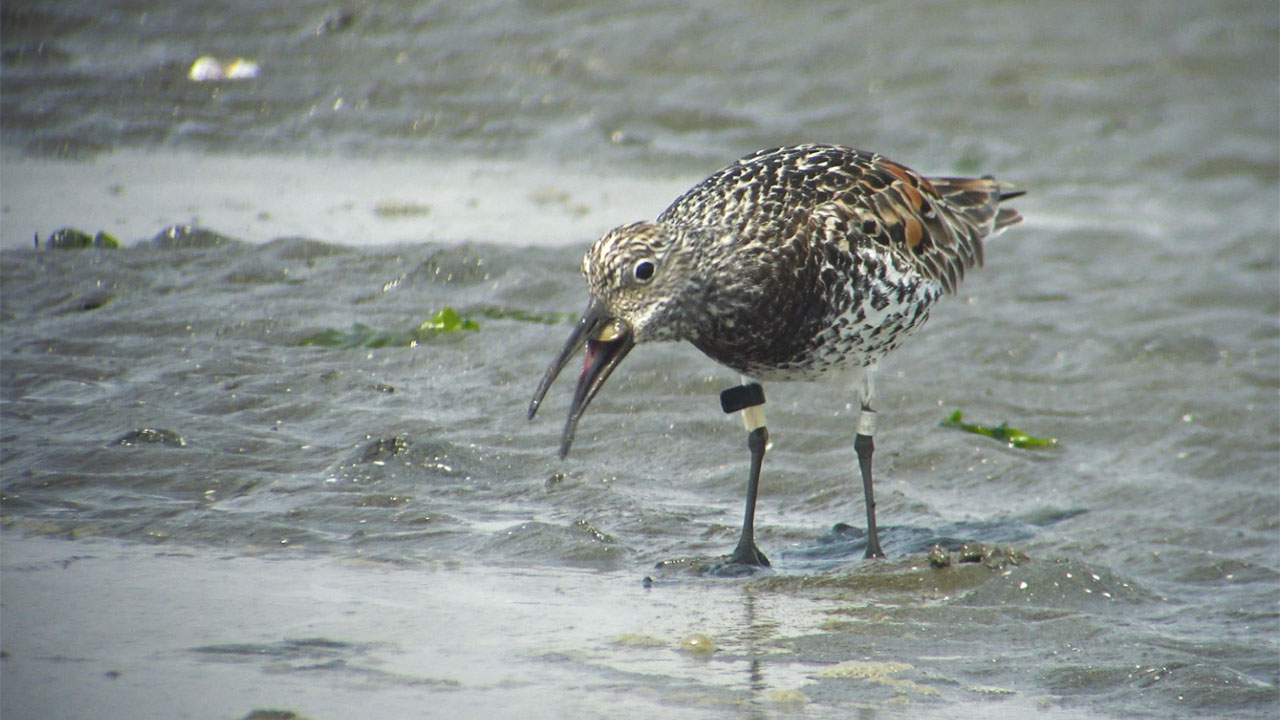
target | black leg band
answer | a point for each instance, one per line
(742, 397)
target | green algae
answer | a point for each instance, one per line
(73, 239)
(1002, 432)
(448, 320)
(445, 321)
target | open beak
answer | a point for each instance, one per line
(608, 340)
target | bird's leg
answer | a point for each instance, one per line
(749, 399)
(865, 446)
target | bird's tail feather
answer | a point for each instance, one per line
(1007, 216)
(978, 200)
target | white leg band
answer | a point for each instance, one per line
(867, 423)
(753, 417)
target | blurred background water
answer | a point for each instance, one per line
(193, 390)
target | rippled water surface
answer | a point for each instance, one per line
(319, 491)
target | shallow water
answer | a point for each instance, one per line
(167, 395)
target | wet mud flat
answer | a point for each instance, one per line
(148, 632)
(301, 425)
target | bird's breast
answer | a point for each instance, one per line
(800, 316)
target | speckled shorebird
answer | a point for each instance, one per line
(798, 263)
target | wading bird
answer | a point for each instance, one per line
(810, 262)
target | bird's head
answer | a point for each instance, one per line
(639, 276)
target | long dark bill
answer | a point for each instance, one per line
(608, 340)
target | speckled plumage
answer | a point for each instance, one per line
(797, 262)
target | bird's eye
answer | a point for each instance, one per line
(644, 271)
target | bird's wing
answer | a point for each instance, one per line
(854, 198)
(934, 225)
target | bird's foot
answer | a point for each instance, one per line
(748, 555)
(725, 566)
(744, 560)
